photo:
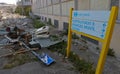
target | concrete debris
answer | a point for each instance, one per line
(1, 23)
(9, 19)
(42, 32)
(4, 42)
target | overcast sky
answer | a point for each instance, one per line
(9, 1)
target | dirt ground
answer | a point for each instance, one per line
(112, 65)
(37, 67)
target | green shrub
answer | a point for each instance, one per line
(73, 57)
(59, 47)
(97, 48)
(64, 33)
(79, 64)
(62, 51)
(38, 24)
(18, 10)
(54, 37)
(74, 36)
(26, 9)
(111, 52)
(84, 40)
(49, 22)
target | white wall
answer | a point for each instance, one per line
(93, 4)
(56, 9)
(115, 42)
(49, 10)
(99, 4)
(83, 4)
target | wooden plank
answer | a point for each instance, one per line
(18, 52)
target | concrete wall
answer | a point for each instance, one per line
(99, 4)
(50, 8)
(93, 4)
(56, 9)
(115, 42)
(83, 4)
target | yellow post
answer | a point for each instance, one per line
(106, 43)
(69, 33)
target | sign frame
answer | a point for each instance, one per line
(105, 41)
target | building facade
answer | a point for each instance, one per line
(57, 11)
(24, 2)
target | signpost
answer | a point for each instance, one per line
(97, 25)
(91, 22)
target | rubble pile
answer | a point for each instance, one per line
(12, 20)
(14, 29)
(12, 26)
(19, 35)
(18, 32)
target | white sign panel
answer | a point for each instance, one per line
(91, 22)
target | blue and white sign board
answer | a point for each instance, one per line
(91, 22)
(46, 59)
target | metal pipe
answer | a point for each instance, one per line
(33, 52)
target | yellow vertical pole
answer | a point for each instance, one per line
(69, 33)
(106, 43)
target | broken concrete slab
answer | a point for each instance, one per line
(46, 42)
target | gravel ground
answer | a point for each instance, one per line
(112, 65)
(59, 67)
(3, 60)
(36, 68)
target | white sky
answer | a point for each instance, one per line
(9, 1)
